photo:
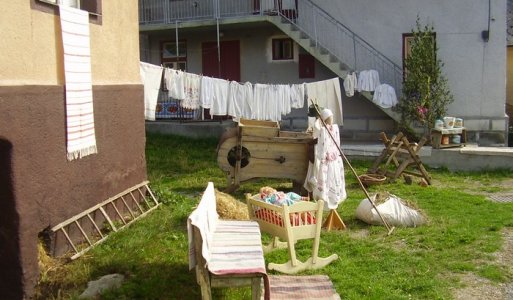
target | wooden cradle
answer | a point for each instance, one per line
(302, 220)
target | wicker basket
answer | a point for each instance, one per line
(372, 179)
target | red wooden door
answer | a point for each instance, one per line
(228, 67)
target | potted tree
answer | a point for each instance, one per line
(425, 94)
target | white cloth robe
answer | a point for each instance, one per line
(329, 183)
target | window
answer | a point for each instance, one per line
(180, 65)
(407, 44)
(172, 57)
(283, 49)
(94, 7)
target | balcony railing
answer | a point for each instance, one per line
(324, 30)
(169, 12)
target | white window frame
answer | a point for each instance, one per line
(70, 3)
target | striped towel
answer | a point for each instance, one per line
(236, 248)
(313, 287)
(81, 140)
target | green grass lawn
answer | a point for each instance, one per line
(463, 232)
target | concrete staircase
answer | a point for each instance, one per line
(323, 55)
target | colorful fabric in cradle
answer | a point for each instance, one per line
(272, 196)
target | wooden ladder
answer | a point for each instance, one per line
(127, 206)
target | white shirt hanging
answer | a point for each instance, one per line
(385, 96)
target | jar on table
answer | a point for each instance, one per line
(445, 140)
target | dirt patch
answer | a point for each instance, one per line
(481, 288)
(358, 233)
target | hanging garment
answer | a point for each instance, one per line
(350, 84)
(297, 95)
(175, 83)
(247, 100)
(385, 96)
(240, 100)
(192, 91)
(265, 102)
(368, 80)
(151, 76)
(285, 104)
(80, 133)
(326, 94)
(214, 95)
(329, 184)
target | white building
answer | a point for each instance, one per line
(294, 41)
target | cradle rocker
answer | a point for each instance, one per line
(302, 220)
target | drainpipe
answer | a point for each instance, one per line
(176, 38)
(218, 42)
(485, 34)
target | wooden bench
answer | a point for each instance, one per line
(225, 253)
(301, 220)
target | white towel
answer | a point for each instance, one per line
(175, 83)
(214, 95)
(240, 100)
(326, 94)
(206, 207)
(81, 139)
(192, 91)
(297, 95)
(151, 77)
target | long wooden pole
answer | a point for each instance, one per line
(389, 228)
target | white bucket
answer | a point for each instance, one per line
(449, 122)
(439, 124)
(458, 123)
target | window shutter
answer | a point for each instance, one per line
(90, 6)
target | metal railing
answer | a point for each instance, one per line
(169, 12)
(341, 42)
(171, 109)
(324, 30)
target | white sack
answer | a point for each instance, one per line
(393, 210)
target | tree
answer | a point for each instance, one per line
(425, 93)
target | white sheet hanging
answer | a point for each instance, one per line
(151, 76)
(326, 93)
